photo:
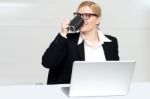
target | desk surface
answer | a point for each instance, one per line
(137, 91)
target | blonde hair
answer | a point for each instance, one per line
(95, 7)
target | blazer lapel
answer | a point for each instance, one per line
(80, 49)
(106, 50)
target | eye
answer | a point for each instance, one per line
(86, 15)
(78, 14)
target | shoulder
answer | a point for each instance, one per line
(111, 37)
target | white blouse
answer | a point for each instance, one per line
(94, 54)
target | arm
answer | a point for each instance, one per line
(56, 52)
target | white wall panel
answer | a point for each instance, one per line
(28, 26)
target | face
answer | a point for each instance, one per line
(91, 23)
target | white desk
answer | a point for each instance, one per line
(137, 91)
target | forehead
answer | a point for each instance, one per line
(85, 9)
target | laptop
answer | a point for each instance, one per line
(107, 78)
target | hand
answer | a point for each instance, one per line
(65, 26)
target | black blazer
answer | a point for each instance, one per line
(62, 52)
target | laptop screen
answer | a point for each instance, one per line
(101, 78)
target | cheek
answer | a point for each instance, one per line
(84, 25)
(88, 25)
(85, 28)
(82, 29)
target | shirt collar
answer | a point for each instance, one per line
(102, 37)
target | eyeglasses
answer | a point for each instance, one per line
(86, 16)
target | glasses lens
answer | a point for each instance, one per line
(86, 16)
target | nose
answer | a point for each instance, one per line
(85, 22)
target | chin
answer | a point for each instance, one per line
(83, 30)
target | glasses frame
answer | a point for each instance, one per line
(86, 16)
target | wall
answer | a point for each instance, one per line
(27, 28)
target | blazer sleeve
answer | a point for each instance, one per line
(55, 53)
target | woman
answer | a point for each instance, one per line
(90, 44)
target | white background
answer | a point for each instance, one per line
(27, 27)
